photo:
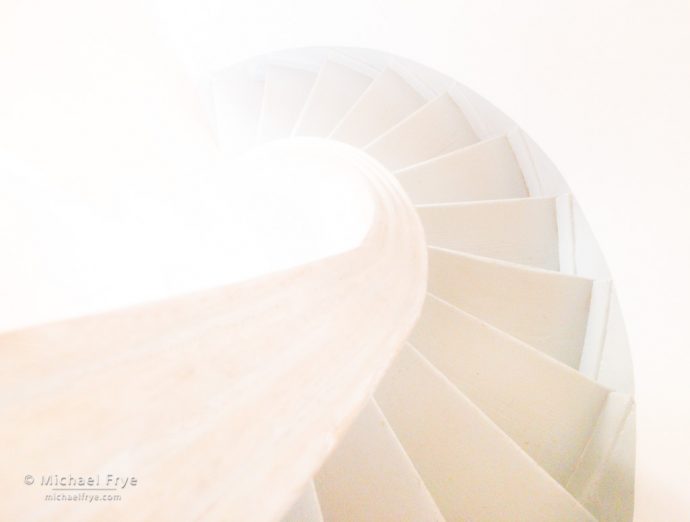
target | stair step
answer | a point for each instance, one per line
(286, 90)
(306, 509)
(488, 170)
(336, 89)
(615, 369)
(387, 101)
(437, 127)
(473, 470)
(547, 310)
(370, 478)
(605, 479)
(548, 408)
(523, 231)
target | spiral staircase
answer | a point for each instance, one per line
(467, 362)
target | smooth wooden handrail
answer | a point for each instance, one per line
(224, 403)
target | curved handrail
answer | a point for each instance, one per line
(231, 397)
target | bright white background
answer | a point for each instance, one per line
(100, 98)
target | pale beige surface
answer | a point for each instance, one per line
(285, 395)
(548, 87)
(487, 170)
(286, 89)
(437, 127)
(603, 480)
(336, 88)
(237, 123)
(370, 478)
(138, 392)
(517, 230)
(306, 509)
(472, 469)
(386, 102)
(615, 368)
(547, 310)
(548, 408)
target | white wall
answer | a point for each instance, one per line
(94, 90)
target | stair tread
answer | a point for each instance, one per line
(336, 89)
(473, 470)
(387, 100)
(547, 310)
(615, 366)
(285, 92)
(604, 480)
(369, 477)
(487, 170)
(548, 408)
(437, 127)
(523, 231)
